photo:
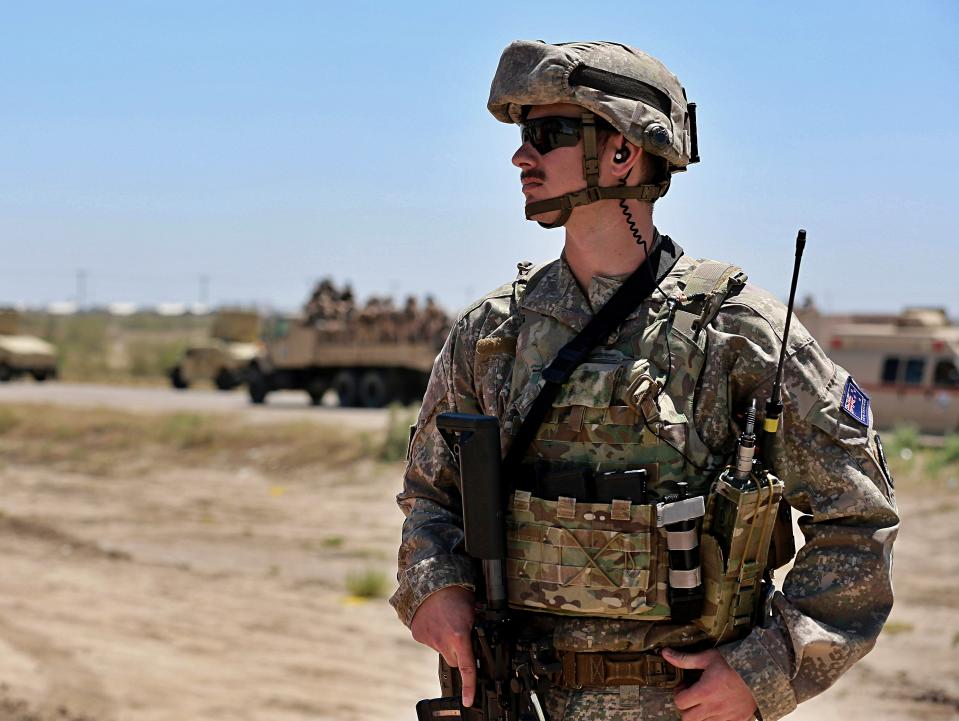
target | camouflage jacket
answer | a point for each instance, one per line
(835, 599)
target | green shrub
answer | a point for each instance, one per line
(82, 345)
(154, 359)
(893, 628)
(905, 437)
(369, 583)
(187, 430)
(946, 456)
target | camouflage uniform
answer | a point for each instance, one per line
(833, 602)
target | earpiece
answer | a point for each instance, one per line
(622, 155)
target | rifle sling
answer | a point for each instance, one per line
(634, 290)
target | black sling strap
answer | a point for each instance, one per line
(634, 290)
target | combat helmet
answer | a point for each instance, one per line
(632, 91)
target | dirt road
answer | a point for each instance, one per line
(167, 588)
(281, 406)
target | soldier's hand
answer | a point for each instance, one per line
(444, 622)
(720, 694)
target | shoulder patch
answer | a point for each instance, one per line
(496, 346)
(855, 402)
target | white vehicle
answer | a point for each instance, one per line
(908, 364)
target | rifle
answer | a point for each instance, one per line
(509, 669)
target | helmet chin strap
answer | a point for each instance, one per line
(592, 192)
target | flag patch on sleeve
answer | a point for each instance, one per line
(855, 402)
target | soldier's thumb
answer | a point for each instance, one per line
(686, 660)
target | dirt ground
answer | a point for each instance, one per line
(170, 589)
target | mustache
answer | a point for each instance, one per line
(533, 173)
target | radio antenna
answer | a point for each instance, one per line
(774, 406)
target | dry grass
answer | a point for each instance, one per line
(104, 441)
(893, 628)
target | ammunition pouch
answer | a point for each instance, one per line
(616, 558)
(567, 556)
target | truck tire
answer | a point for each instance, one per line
(317, 388)
(177, 380)
(6, 373)
(225, 380)
(257, 385)
(345, 385)
(40, 374)
(374, 390)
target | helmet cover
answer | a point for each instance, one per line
(631, 90)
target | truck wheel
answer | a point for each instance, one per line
(412, 388)
(177, 379)
(257, 385)
(40, 375)
(317, 388)
(6, 373)
(373, 390)
(225, 380)
(344, 383)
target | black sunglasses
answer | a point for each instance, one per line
(549, 133)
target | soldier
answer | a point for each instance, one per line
(410, 320)
(436, 324)
(368, 320)
(603, 127)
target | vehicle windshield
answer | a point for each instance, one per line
(947, 375)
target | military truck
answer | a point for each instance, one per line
(224, 357)
(302, 355)
(368, 354)
(22, 354)
(908, 363)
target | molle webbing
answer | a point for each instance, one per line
(579, 541)
(634, 290)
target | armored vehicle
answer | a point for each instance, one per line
(21, 354)
(225, 356)
(371, 373)
(908, 363)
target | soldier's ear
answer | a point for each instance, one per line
(620, 156)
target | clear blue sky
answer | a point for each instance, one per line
(268, 144)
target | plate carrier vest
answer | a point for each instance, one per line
(627, 407)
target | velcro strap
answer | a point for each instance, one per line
(617, 669)
(590, 161)
(566, 508)
(682, 540)
(684, 510)
(685, 579)
(711, 276)
(521, 500)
